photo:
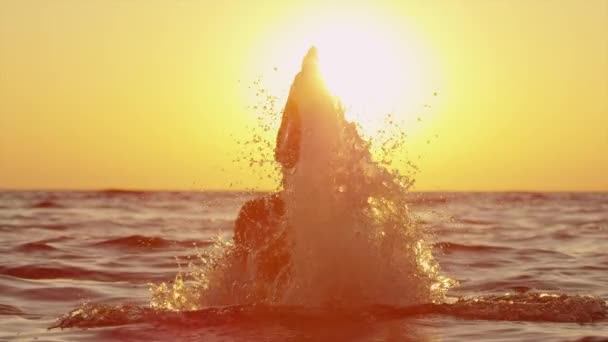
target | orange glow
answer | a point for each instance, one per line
(98, 94)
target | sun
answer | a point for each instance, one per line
(364, 70)
(375, 65)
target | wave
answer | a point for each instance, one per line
(122, 192)
(522, 284)
(46, 204)
(473, 221)
(10, 310)
(35, 247)
(59, 294)
(10, 227)
(51, 226)
(510, 307)
(140, 241)
(516, 197)
(38, 272)
(428, 199)
(452, 247)
(530, 307)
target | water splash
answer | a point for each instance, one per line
(346, 230)
(255, 153)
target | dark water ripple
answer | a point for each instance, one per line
(146, 242)
(35, 247)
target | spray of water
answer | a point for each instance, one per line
(344, 238)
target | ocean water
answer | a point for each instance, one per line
(59, 250)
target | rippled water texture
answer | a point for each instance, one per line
(59, 250)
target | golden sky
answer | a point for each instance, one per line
(153, 94)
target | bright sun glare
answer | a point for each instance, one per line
(373, 67)
(362, 69)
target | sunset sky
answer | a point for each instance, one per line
(154, 94)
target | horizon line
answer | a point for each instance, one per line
(134, 190)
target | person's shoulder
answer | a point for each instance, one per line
(262, 204)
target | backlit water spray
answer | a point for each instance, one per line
(346, 228)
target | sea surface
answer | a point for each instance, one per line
(59, 250)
